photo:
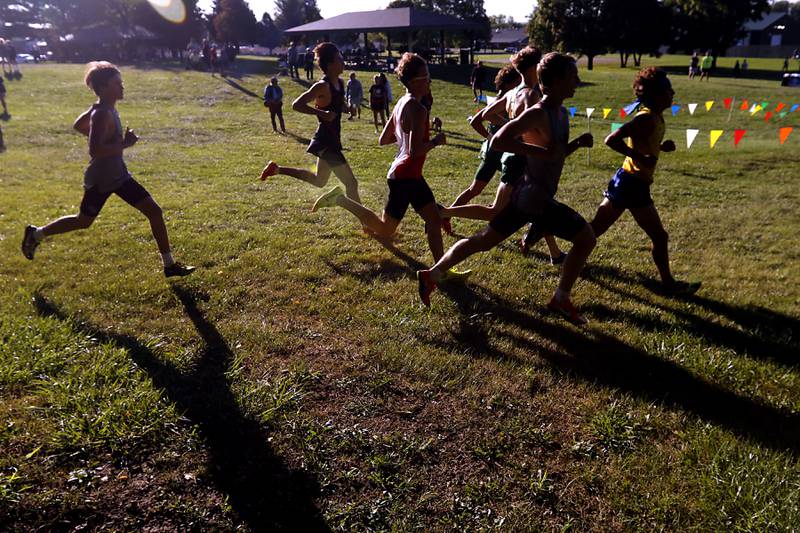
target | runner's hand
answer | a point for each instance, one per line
(586, 140)
(130, 138)
(668, 146)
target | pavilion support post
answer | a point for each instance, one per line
(366, 46)
(441, 45)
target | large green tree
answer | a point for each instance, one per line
(635, 27)
(291, 13)
(711, 24)
(576, 26)
(234, 21)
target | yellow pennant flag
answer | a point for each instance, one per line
(709, 104)
(756, 109)
(606, 111)
(715, 135)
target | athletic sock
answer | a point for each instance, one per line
(561, 296)
(38, 235)
(167, 259)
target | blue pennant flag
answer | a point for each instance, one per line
(630, 108)
(675, 109)
(794, 108)
(572, 111)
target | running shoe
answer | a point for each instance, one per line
(328, 199)
(454, 275)
(567, 310)
(29, 242)
(682, 288)
(178, 269)
(270, 170)
(555, 261)
(426, 286)
(531, 237)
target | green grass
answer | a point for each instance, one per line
(295, 380)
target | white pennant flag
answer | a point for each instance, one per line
(690, 137)
(692, 107)
(589, 111)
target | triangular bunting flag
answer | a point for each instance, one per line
(690, 136)
(675, 109)
(709, 104)
(755, 109)
(572, 110)
(794, 108)
(606, 111)
(692, 107)
(630, 108)
(783, 113)
(767, 116)
(779, 107)
(589, 111)
(784, 134)
(615, 126)
(714, 137)
(764, 105)
(744, 105)
(727, 102)
(737, 136)
(622, 113)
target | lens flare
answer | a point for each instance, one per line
(171, 10)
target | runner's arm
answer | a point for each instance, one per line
(303, 103)
(507, 139)
(99, 124)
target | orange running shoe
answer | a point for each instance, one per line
(567, 310)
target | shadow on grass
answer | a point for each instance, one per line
(265, 493)
(239, 87)
(592, 356)
(753, 331)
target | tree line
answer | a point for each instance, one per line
(633, 28)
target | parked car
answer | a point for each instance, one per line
(25, 58)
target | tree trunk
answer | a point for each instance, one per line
(621, 59)
(637, 59)
(590, 61)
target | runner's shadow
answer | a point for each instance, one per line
(265, 492)
(752, 331)
(238, 87)
(299, 138)
(594, 357)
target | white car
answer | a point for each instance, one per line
(24, 58)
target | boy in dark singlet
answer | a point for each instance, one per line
(409, 128)
(540, 133)
(511, 105)
(107, 173)
(327, 95)
(630, 186)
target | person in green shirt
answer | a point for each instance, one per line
(705, 67)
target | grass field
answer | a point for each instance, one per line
(294, 381)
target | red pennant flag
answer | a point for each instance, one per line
(779, 107)
(767, 116)
(745, 106)
(622, 113)
(737, 136)
(727, 103)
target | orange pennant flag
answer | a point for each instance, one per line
(767, 116)
(784, 134)
(779, 107)
(737, 136)
(745, 106)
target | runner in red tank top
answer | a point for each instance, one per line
(408, 126)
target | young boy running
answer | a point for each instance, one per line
(327, 96)
(540, 133)
(107, 173)
(510, 105)
(630, 186)
(409, 127)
